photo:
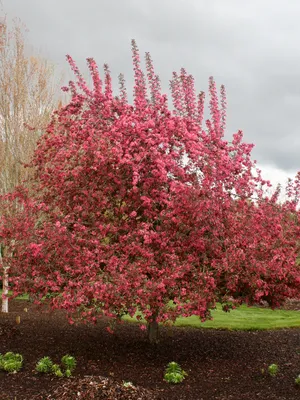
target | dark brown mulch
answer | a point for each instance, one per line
(97, 387)
(221, 365)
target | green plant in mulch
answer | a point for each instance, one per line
(11, 362)
(273, 369)
(174, 373)
(57, 371)
(69, 364)
(46, 366)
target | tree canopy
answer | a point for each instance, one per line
(140, 204)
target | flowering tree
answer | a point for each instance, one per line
(143, 205)
(262, 246)
(17, 222)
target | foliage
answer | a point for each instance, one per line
(273, 369)
(11, 362)
(174, 373)
(68, 362)
(68, 373)
(44, 365)
(297, 380)
(57, 371)
(17, 221)
(139, 205)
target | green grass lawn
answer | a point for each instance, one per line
(22, 297)
(242, 318)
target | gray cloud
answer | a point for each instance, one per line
(251, 47)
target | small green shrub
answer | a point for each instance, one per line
(68, 373)
(297, 380)
(57, 371)
(273, 369)
(44, 365)
(68, 362)
(174, 373)
(11, 362)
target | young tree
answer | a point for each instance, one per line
(143, 205)
(27, 99)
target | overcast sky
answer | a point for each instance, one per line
(252, 47)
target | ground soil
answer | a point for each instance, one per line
(221, 365)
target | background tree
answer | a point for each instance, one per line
(262, 246)
(27, 98)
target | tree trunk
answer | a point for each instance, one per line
(153, 334)
(5, 290)
(5, 269)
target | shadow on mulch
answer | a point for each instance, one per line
(221, 365)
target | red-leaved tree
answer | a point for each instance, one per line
(17, 225)
(142, 205)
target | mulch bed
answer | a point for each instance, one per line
(221, 365)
